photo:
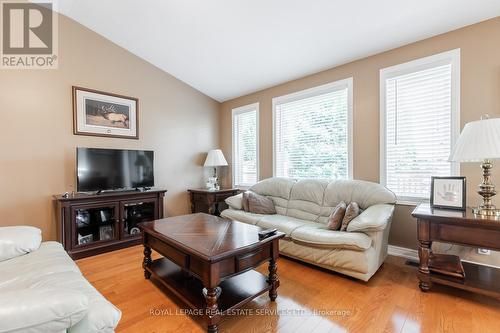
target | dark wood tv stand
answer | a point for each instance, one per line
(89, 224)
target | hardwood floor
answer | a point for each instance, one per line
(389, 302)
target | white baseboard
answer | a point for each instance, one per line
(403, 252)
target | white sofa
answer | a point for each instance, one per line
(42, 289)
(303, 208)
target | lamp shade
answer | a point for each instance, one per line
(479, 141)
(215, 158)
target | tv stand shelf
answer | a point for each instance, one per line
(91, 223)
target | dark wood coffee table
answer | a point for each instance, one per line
(208, 262)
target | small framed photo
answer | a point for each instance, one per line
(448, 192)
(87, 239)
(97, 113)
(106, 232)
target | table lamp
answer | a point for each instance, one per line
(214, 159)
(480, 142)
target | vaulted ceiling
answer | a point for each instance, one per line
(229, 48)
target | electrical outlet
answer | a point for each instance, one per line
(484, 252)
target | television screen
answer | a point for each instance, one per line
(112, 169)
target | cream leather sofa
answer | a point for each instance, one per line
(42, 289)
(303, 208)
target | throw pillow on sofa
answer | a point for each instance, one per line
(19, 240)
(244, 201)
(258, 204)
(336, 217)
(351, 212)
(235, 202)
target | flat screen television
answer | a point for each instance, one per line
(113, 169)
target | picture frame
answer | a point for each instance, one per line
(98, 113)
(84, 240)
(448, 193)
(106, 232)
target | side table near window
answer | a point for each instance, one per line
(456, 227)
(209, 201)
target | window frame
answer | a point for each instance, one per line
(448, 57)
(235, 112)
(315, 91)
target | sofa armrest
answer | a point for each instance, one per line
(41, 310)
(374, 218)
(16, 241)
(235, 202)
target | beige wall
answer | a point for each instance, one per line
(37, 145)
(480, 93)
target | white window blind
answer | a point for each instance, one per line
(245, 145)
(419, 117)
(312, 132)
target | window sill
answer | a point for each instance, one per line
(410, 202)
(242, 187)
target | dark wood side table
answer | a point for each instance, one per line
(456, 227)
(207, 201)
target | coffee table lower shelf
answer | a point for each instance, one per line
(236, 291)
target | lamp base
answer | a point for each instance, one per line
(486, 212)
(212, 184)
(487, 191)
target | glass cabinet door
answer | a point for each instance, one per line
(94, 223)
(135, 212)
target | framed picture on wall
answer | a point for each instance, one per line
(98, 113)
(448, 192)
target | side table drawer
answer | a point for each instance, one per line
(465, 235)
(200, 197)
(209, 201)
(223, 196)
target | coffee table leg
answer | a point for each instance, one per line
(147, 261)
(273, 279)
(212, 309)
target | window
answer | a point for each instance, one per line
(246, 145)
(313, 132)
(419, 123)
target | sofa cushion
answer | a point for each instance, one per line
(18, 240)
(51, 267)
(240, 215)
(33, 310)
(102, 316)
(365, 193)
(277, 189)
(351, 262)
(283, 223)
(235, 202)
(321, 236)
(306, 199)
(50, 258)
